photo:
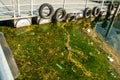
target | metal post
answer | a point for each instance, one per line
(64, 1)
(31, 6)
(102, 5)
(13, 5)
(112, 1)
(18, 7)
(113, 19)
(86, 3)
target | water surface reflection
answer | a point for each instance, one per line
(114, 37)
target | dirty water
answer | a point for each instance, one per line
(114, 37)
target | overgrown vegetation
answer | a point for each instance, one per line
(59, 51)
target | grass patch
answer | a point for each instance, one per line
(57, 51)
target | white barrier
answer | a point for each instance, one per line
(5, 72)
(8, 66)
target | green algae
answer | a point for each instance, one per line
(57, 51)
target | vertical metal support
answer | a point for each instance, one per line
(86, 3)
(112, 22)
(102, 5)
(112, 1)
(13, 5)
(64, 1)
(18, 7)
(31, 6)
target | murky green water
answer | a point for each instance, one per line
(59, 51)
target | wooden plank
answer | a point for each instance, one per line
(5, 72)
(9, 57)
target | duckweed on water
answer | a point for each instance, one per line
(41, 54)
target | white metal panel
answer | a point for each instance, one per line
(5, 72)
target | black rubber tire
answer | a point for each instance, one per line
(57, 17)
(99, 17)
(87, 13)
(70, 17)
(51, 12)
(110, 7)
(108, 14)
(95, 11)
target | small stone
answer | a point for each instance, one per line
(32, 33)
(110, 59)
(112, 74)
(88, 30)
(68, 47)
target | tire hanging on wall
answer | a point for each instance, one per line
(99, 17)
(59, 15)
(108, 14)
(110, 7)
(109, 11)
(42, 14)
(87, 12)
(96, 11)
(70, 17)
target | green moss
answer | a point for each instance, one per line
(38, 48)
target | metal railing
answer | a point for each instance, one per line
(29, 8)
